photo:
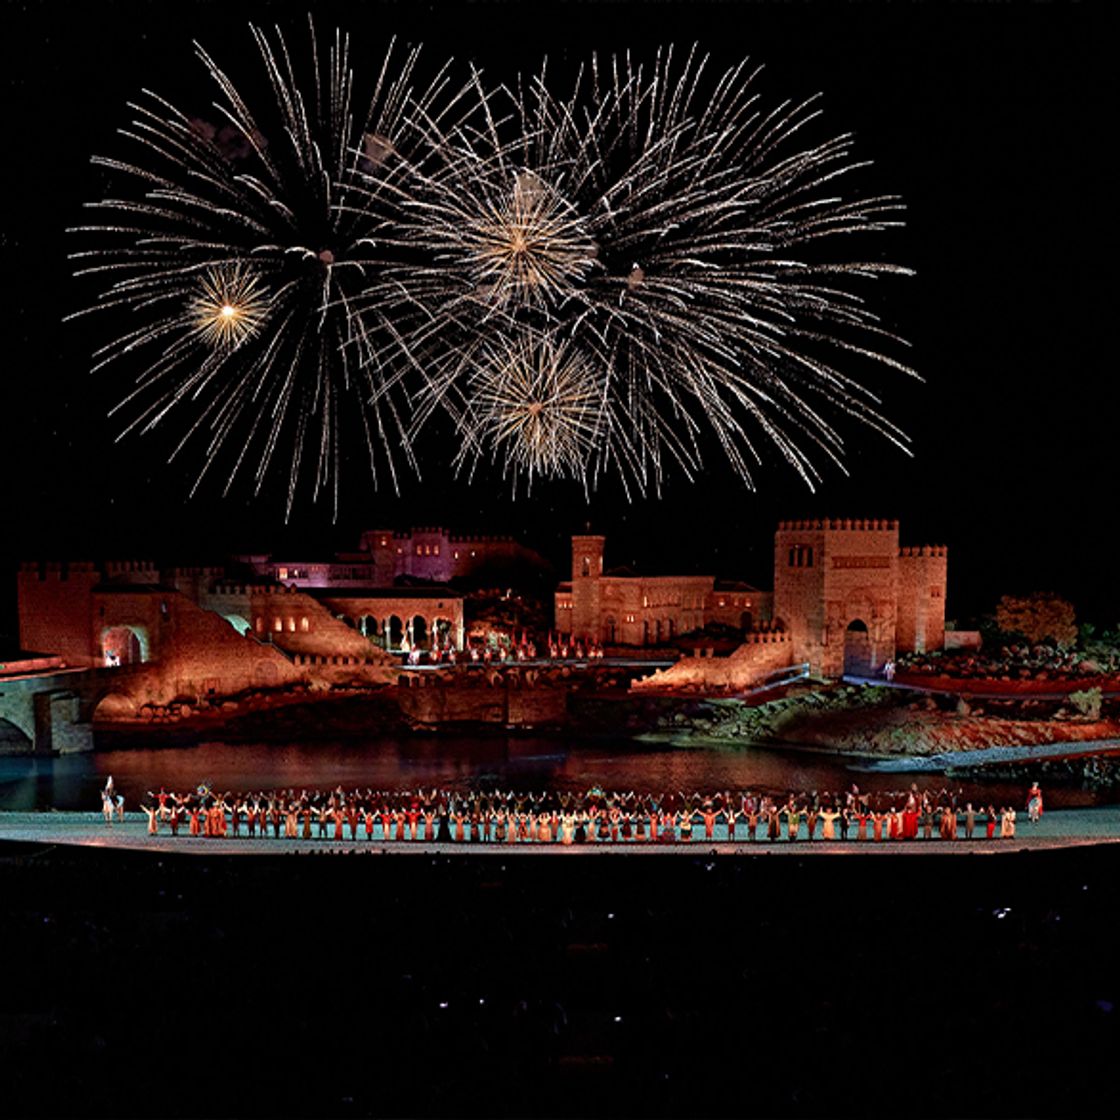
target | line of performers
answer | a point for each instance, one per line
(444, 816)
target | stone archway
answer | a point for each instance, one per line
(419, 632)
(395, 631)
(612, 629)
(441, 629)
(857, 649)
(746, 622)
(369, 627)
(124, 645)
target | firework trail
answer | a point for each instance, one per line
(679, 245)
(234, 249)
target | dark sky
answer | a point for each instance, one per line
(988, 118)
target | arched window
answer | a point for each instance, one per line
(259, 625)
(291, 624)
(587, 566)
(278, 625)
(304, 625)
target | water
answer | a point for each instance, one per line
(460, 762)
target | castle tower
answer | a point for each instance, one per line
(56, 610)
(922, 575)
(587, 572)
(836, 592)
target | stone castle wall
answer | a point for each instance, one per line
(54, 610)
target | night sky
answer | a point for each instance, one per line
(988, 118)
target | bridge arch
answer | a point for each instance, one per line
(114, 705)
(13, 737)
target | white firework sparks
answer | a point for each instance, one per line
(680, 237)
(291, 197)
(534, 408)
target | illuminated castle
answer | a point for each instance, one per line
(846, 599)
(622, 609)
(386, 555)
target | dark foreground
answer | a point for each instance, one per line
(140, 985)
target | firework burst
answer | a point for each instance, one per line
(229, 307)
(235, 246)
(534, 408)
(659, 226)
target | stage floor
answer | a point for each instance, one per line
(1063, 828)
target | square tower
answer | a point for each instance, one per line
(587, 578)
(836, 592)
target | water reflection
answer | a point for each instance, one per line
(73, 781)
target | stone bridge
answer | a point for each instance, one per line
(52, 712)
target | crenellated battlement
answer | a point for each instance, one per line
(845, 524)
(231, 589)
(130, 567)
(932, 550)
(765, 636)
(58, 569)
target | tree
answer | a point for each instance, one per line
(1038, 616)
(1087, 703)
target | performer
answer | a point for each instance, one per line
(1034, 804)
(793, 820)
(990, 823)
(828, 822)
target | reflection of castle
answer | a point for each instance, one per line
(845, 595)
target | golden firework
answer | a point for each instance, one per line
(528, 243)
(538, 407)
(229, 306)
